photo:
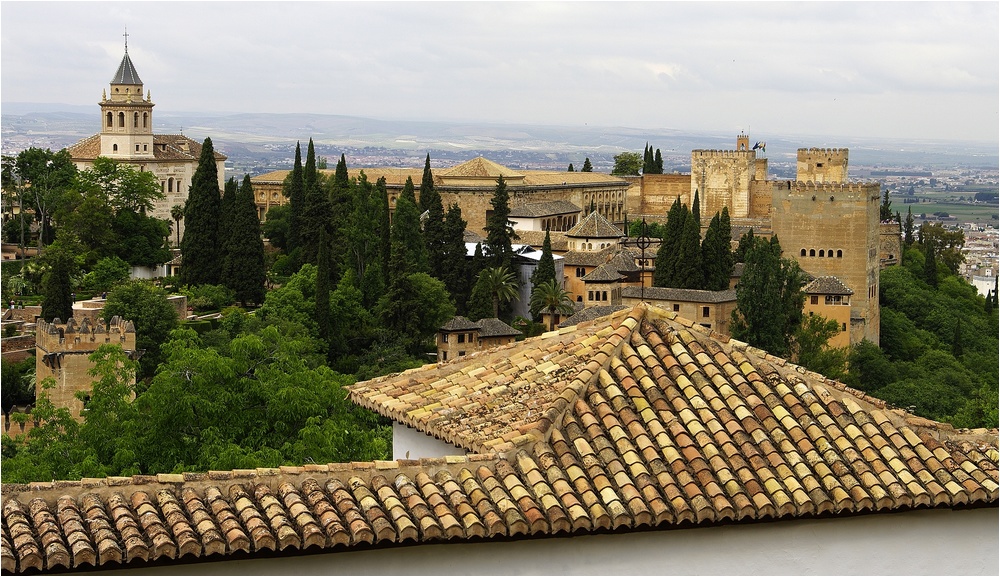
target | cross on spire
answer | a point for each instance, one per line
(126, 39)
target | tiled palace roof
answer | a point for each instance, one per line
(639, 419)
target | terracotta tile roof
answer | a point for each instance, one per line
(604, 273)
(459, 323)
(166, 147)
(495, 327)
(676, 294)
(587, 258)
(595, 225)
(827, 285)
(591, 313)
(638, 420)
(393, 176)
(536, 238)
(546, 208)
(479, 167)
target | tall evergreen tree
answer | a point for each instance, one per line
(428, 196)
(658, 161)
(409, 192)
(570, 169)
(746, 241)
(341, 198)
(200, 246)
(57, 286)
(647, 160)
(587, 167)
(930, 265)
(408, 251)
(908, 228)
(499, 231)
(384, 227)
(716, 256)
(363, 240)
(294, 189)
(244, 269)
(454, 264)
(688, 272)
(696, 208)
(227, 205)
(323, 287)
(885, 209)
(546, 269)
(664, 275)
(434, 235)
(318, 213)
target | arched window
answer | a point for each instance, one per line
(802, 252)
(829, 253)
(840, 253)
(821, 254)
(135, 120)
(145, 119)
(812, 252)
(111, 118)
(170, 184)
(114, 148)
(121, 120)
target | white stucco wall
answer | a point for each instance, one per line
(933, 542)
(409, 443)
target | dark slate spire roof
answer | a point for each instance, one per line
(126, 73)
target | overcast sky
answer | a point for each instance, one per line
(923, 70)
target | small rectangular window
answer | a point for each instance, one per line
(677, 308)
(444, 355)
(461, 338)
(444, 338)
(705, 311)
(814, 300)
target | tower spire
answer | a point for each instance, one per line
(126, 39)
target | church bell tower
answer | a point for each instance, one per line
(126, 116)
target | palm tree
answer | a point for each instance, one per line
(177, 213)
(501, 284)
(552, 297)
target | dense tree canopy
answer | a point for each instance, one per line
(151, 313)
(627, 164)
(200, 246)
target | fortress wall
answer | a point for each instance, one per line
(821, 165)
(659, 191)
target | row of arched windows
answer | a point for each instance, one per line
(121, 119)
(828, 253)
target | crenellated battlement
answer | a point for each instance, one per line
(704, 153)
(83, 337)
(835, 187)
(822, 151)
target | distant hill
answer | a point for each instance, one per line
(271, 136)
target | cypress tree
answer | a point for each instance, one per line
(244, 269)
(988, 304)
(689, 273)
(716, 256)
(408, 252)
(769, 298)
(434, 236)
(996, 292)
(323, 286)
(647, 160)
(658, 161)
(384, 228)
(498, 228)
(546, 269)
(295, 190)
(746, 241)
(908, 227)
(227, 205)
(428, 196)
(696, 208)
(57, 286)
(318, 212)
(930, 265)
(664, 275)
(363, 239)
(341, 198)
(408, 191)
(570, 169)
(454, 264)
(200, 245)
(587, 167)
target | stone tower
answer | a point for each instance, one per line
(126, 116)
(728, 178)
(822, 165)
(62, 352)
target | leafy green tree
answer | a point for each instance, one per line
(627, 164)
(48, 175)
(769, 299)
(587, 167)
(150, 312)
(106, 274)
(294, 189)
(499, 228)
(125, 187)
(244, 268)
(200, 245)
(276, 227)
(746, 241)
(57, 284)
(413, 309)
(551, 297)
(810, 347)
(88, 217)
(18, 383)
(948, 244)
(363, 237)
(142, 240)
(323, 288)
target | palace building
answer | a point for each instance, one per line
(127, 136)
